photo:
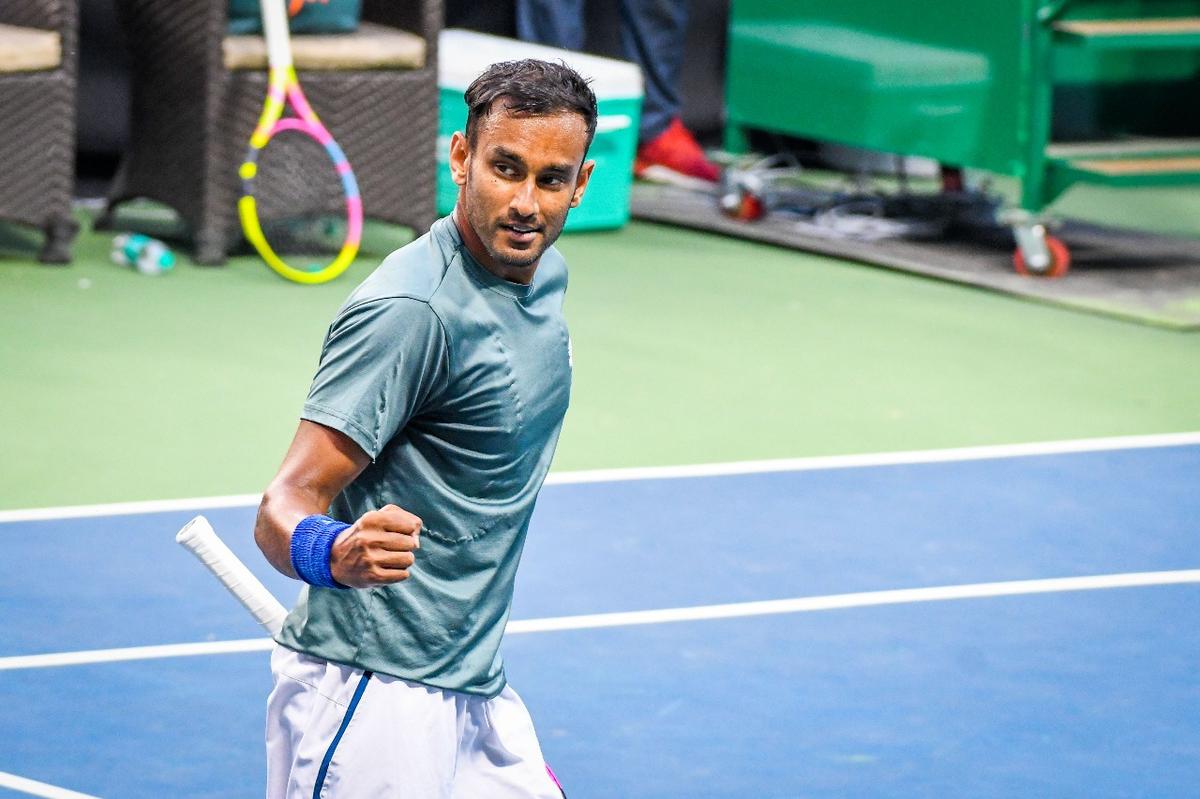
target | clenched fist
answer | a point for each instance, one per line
(377, 549)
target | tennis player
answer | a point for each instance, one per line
(405, 496)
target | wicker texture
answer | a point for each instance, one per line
(37, 131)
(192, 119)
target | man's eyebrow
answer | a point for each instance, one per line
(510, 155)
(558, 169)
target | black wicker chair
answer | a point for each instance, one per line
(37, 119)
(192, 117)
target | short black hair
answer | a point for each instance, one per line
(530, 87)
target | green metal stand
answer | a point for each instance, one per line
(974, 85)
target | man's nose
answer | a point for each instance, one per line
(524, 200)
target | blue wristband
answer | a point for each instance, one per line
(312, 541)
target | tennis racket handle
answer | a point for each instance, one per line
(199, 538)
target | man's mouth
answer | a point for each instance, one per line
(521, 233)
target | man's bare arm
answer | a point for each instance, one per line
(378, 547)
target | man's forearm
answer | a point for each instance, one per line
(278, 514)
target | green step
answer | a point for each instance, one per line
(1128, 169)
(1167, 33)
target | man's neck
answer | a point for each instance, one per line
(513, 274)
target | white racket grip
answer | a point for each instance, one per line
(201, 540)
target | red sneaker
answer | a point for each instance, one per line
(675, 149)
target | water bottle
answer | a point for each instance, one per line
(149, 256)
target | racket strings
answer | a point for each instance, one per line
(300, 198)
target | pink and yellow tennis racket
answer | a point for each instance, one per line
(284, 88)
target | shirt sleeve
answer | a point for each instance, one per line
(382, 361)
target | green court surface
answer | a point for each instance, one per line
(689, 348)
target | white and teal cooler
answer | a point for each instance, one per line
(463, 55)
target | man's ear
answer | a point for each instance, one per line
(460, 155)
(585, 174)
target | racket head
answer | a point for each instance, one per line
(300, 206)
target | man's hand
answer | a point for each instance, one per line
(377, 549)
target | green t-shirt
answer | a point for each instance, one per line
(455, 382)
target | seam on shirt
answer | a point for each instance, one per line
(483, 532)
(399, 295)
(381, 405)
(512, 381)
(446, 372)
(383, 297)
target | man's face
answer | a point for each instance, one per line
(518, 181)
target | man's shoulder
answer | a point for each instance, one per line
(415, 272)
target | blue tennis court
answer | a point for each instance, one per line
(1041, 690)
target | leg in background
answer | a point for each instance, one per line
(652, 36)
(557, 23)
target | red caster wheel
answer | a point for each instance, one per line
(1060, 260)
(742, 206)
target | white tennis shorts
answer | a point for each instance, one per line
(334, 732)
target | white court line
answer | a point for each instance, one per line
(665, 472)
(35, 788)
(899, 596)
(697, 613)
(129, 508)
(87, 656)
